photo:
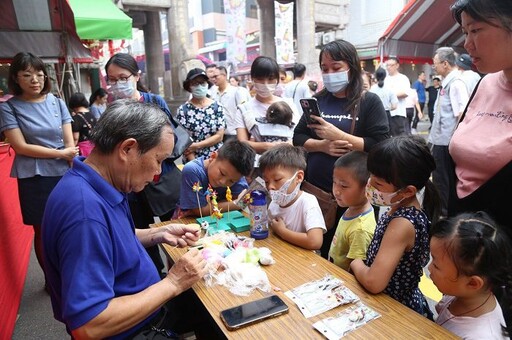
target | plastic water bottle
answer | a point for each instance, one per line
(259, 215)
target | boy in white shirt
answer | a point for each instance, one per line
(295, 216)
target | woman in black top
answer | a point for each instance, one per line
(83, 122)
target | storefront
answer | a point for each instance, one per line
(417, 32)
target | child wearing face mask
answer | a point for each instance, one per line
(399, 168)
(295, 216)
(203, 117)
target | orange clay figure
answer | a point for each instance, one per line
(229, 198)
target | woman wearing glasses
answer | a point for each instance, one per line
(123, 79)
(38, 126)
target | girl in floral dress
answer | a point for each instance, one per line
(201, 116)
(399, 168)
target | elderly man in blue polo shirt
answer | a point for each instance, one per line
(102, 282)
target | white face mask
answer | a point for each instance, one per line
(264, 90)
(281, 196)
(121, 91)
(335, 82)
(379, 198)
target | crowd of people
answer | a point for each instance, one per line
(447, 199)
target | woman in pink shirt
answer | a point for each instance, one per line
(481, 146)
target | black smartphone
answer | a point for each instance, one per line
(252, 312)
(310, 107)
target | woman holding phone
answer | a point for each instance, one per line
(351, 119)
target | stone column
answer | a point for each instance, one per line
(266, 16)
(306, 52)
(154, 51)
(181, 53)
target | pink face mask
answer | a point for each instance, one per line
(265, 90)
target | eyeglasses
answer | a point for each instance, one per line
(121, 80)
(28, 77)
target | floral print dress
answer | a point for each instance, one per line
(403, 285)
(202, 123)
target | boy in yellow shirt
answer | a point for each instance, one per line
(357, 225)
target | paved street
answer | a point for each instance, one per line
(35, 320)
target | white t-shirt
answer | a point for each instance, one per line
(230, 99)
(247, 113)
(304, 214)
(470, 78)
(486, 326)
(387, 96)
(398, 83)
(296, 90)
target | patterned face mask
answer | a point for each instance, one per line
(379, 198)
(281, 196)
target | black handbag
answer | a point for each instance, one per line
(326, 201)
(182, 139)
(163, 196)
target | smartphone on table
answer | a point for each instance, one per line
(251, 312)
(310, 107)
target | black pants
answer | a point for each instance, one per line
(416, 117)
(398, 126)
(431, 113)
(410, 117)
(440, 176)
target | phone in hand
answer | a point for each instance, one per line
(310, 107)
(251, 312)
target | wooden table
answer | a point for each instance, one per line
(295, 266)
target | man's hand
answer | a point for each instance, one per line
(189, 269)
(179, 235)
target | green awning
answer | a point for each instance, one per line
(100, 20)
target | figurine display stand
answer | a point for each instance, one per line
(232, 221)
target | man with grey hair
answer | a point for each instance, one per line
(102, 282)
(449, 105)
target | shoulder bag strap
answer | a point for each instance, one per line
(356, 113)
(85, 120)
(295, 89)
(469, 101)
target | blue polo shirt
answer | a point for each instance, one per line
(91, 252)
